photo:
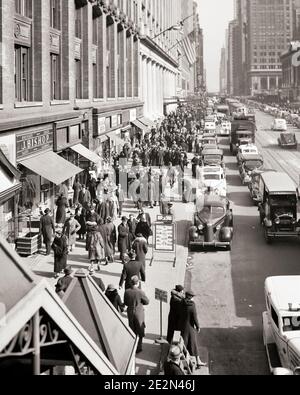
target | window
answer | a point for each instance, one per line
(55, 77)
(55, 14)
(24, 7)
(78, 23)
(274, 317)
(78, 79)
(22, 73)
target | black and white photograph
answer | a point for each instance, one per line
(149, 190)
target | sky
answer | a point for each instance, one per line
(214, 18)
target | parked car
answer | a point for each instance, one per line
(225, 129)
(281, 325)
(288, 140)
(279, 125)
(212, 157)
(213, 223)
(208, 140)
(213, 178)
(279, 207)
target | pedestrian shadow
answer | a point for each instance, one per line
(182, 232)
(148, 361)
(77, 259)
(234, 180)
(43, 274)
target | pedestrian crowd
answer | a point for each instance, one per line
(96, 206)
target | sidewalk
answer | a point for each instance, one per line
(160, 275)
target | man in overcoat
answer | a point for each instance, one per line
(47, 229)
(140, 247)
(175, 314)
(123, 232)
(135, 300)
(130, 269)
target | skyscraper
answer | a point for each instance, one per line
(270, 30)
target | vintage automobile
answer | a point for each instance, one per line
(213, 178)
(248, 163)
(281, 325)
(213, 223)
(247, 149)
(288, 140)
(279, 207)
(254, 183)
(209, 140)
(225, 129)
(212, 156)
(210, 128)
(279, 125)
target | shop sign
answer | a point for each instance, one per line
(133, 115)
(32, 142)
(101, 126)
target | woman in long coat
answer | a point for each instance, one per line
(175, 314)
(108, 252)
(60, 248)
(123, 231)
(191, 327)
(96, 248)
(70, 230)
(111, 236)
(80, 217)
(62, 204)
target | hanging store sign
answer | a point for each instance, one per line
(32, 142)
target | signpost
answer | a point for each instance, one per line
(162, 296)
(164, 236)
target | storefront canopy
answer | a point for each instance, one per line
(86, 153)
(147, 122)
(22, 296)
(117, 140)
(52, 167)
(102, 322)
(140, 125)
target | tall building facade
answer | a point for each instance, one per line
(223, 72)
(199, 85)
(159, 54)
(270, 30)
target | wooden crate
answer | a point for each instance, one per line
(29, 244)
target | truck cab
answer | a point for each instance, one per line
(279, 206)
(281, 324)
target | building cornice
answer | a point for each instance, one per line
(149, 43)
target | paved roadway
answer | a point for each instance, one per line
(230, 285)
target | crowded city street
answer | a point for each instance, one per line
(149, 190)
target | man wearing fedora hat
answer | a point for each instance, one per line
(64, 282)
(172, 365)
(60, 248)
(135, 299)
(130, 269)
(191, 327)
(47, 229)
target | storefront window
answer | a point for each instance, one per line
(7, 220)
(74, 133)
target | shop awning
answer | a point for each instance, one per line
(140, 125)
(52, 167)
(147, 122)
(86, 153)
